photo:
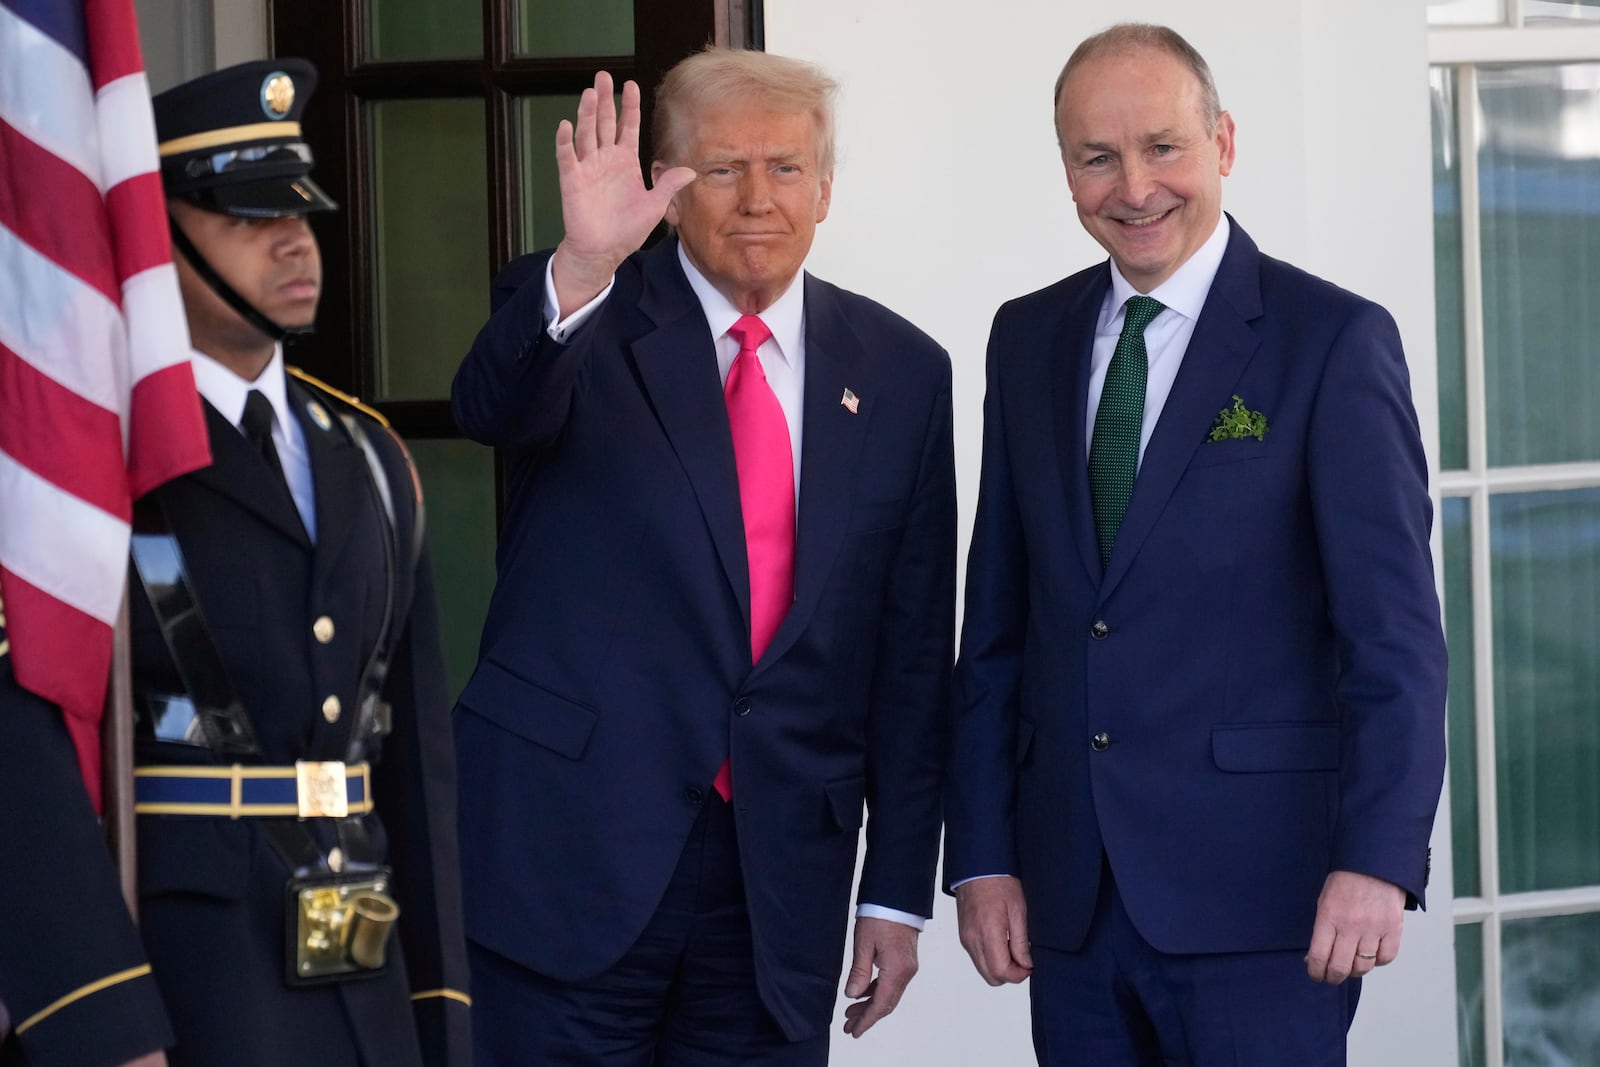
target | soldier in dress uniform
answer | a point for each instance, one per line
(295, 782)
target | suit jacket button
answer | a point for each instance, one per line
(1099, 630)
(322, 630)
(331, 709)
(1100, 742)
(741, 707)
(694, 794)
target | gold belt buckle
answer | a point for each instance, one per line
(321, 793)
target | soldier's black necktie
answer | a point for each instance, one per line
(257, 425)
(1118, 422)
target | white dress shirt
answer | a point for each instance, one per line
(783, 359)
(226, 392)
(1166, 339)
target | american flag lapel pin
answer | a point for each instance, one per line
(850, 401)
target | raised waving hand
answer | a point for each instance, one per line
(605, 207)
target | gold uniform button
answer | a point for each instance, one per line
(322, 629)
(330, 709)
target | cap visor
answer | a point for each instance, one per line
(270, 199)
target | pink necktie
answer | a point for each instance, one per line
(765, 462)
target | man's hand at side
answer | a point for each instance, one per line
(994, 928)
(891, 947)
(1359, 919)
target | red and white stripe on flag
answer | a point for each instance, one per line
(97, 399)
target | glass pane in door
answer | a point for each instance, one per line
(430, 232)
(538, 186)
(1545, 580)
(458, 486)
(574, 28)
(1550, 990)
(1559, 11)
(1449, 285)
(1539, 171)
(422, 29)
(1469, 994)
(1455, 521)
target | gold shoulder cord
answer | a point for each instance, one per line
(365, 409)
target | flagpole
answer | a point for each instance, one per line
(116, 762)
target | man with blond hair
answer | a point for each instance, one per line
(1199, 730)
(725, 609)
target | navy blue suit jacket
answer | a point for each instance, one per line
(1264, 649)
(615, 669)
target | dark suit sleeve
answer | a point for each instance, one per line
(73, 974)
(1368, 480)
(980, 799)
(908, 724)
(517, 385)
(415, 790)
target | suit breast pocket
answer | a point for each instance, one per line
(1235, 450)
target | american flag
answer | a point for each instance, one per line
(97, 400)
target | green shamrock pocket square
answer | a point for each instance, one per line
(1238, 421)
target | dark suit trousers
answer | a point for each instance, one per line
(683, 996)
(1117, 1002)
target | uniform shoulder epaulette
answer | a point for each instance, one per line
(366, 409)
(338, 394)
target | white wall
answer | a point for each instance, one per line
(949, 199)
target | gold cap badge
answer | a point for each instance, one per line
(277, 94)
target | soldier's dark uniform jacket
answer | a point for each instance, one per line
(295, 623)
(325, 652)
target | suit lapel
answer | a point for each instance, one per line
(1071, 357)
(830, 453)
(1218, 353)
(239, 474)
(677, 363)
(339, 477)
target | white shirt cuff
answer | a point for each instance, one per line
(873, 911)
(957, 885)
(560, 329)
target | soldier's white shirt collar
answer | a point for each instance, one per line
(226, 391)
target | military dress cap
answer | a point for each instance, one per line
(230, 140)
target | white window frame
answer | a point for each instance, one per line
(1465, 49)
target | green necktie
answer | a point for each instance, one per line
(1114, 451)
